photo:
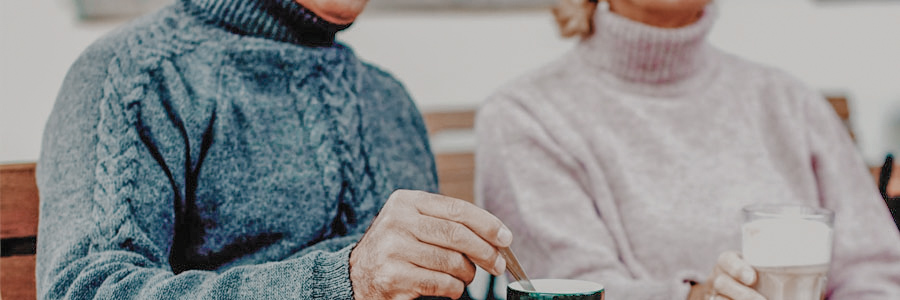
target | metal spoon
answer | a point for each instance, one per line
(514, 268)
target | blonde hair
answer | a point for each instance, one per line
(575, 17)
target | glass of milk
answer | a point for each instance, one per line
(790, 248)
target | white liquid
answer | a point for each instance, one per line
(560, 286)
(783, 242)
(791, 257)
(792, 283)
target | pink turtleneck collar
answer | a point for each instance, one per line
(639, 53)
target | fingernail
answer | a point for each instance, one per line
(504, 237)
(499, 265)
(748, 276)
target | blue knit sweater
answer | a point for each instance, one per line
(220, 149)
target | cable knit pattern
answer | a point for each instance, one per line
(214, 150)
(627, 162)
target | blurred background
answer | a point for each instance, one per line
(453, 57)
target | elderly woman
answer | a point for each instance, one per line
(231, 149)
(628, 160)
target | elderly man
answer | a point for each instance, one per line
(232, 149)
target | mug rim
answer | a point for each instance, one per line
(778, 210)
(592, 288)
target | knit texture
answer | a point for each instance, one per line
(627, 162)
(203, 152)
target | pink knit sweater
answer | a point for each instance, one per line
(628, 160)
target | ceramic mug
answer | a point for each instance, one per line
(556, 289)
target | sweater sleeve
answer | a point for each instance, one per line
(92, 244)
(563, 225)
(866, 257)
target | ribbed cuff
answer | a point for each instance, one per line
(332, 275)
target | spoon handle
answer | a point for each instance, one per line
(514, 268)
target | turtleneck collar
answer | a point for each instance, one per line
(637, 52)
(281, 20)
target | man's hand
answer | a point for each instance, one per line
(423, 244)
(732, 278)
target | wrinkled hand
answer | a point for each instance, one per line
(423, 244)
(732, 278)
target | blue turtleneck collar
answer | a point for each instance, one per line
(282, 20)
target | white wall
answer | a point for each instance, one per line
(455, 59)
(39, 40)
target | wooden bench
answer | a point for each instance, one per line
(18, 230)
(456, 170)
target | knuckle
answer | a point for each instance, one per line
(382, 281)
(389, 225)
(484, 257)
(455, 233)
(468, 274)
(440, 286)
(723, 258)
(387, 246)
(455, 210)
(456, 290)
(429, 287)
(720, 282)
(493, 256)
(397, 195)
(402, 197)
(459, 265)
(417, 195)
(441, 262)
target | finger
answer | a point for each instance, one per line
(454, 236)
(733, 265)
(483, 223)
(729, 287)
(426, 282)
(440, 260)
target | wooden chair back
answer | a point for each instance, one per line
(19, 206)
(456, 170)
(842, 108)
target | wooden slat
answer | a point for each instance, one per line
(18, 201)
(17, 277)
(456, 175)
(840, 105)
(456, 171)
(842, 108)
(447, 120)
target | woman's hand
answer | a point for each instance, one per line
(423, 244)
(732, 278)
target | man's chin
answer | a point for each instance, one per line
(340, 12)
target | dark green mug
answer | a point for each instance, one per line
(556, 289)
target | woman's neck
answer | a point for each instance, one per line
(639, 53)
(664, 18)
